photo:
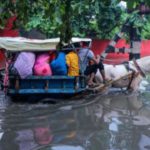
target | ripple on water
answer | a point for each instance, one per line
(113, 121)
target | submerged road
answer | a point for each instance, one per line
(115, 121)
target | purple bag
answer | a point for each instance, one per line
(24, 64)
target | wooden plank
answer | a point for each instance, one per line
(43, 91)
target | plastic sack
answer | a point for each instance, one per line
(42, 67)
(42, 58)
(24, 64)
(58, 65)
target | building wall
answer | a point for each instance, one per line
(98, 46)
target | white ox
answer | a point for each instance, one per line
(115, 72)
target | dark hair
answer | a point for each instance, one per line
(85, 44)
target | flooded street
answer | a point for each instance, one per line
(117, 121)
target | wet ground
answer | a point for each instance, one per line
(117, 121)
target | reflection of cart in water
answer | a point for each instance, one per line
(33, 84)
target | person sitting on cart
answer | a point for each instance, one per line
(85, 56)
(72, 61)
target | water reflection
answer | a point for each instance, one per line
(115, 122)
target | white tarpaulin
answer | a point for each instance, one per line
(24, 44)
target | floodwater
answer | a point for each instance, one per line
(117, 121)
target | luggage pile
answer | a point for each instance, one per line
(44, 64)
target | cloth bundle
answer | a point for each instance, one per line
(24, 64)
(58, 65)
(42, 67)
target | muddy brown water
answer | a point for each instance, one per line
(116, 121)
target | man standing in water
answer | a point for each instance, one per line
(85, 56)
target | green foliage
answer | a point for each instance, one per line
(146, 29)
(5, 12)
(109, 18)
(67, 18)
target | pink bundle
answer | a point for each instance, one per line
(42, 67)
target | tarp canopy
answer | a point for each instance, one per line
(24, 44)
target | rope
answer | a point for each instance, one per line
(139, 68)
(130, 82)
(114, 60)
